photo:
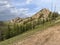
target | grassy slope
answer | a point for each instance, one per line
(27, 34)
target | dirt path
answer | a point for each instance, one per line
(50, 36)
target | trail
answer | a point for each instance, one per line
(50, 36)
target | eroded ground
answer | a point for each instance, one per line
(50, 36)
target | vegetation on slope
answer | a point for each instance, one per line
(15, 29)
(28, 33)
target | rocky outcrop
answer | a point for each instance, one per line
(16, 20)
(44, 13)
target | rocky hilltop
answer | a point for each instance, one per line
(41, 14)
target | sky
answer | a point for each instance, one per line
(10, 9)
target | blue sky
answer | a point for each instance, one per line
(13, 8)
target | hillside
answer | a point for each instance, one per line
(18, 29)
(50, 36)
(43, 35)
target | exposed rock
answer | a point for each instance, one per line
(41, 14)
(16, 20)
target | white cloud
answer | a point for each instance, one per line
(8, 5)
(24, 9)
(28, 1)
(14, 11)
(46, 1)
(5, 10)
(9, 8)
(3, 2)
(23, 3)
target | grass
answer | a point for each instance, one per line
(28, 33)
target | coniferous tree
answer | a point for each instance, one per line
(17, 29)
(8, 32)
(1, 35)
(54, 15)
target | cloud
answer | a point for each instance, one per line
(23, 3)
(46, 1)
(8, 11)
(23, 8)
(24, 12)
(28, 1)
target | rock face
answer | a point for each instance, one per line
(41, 14)
(16, 20)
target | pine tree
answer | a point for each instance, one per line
(1, 35)
(8, 32)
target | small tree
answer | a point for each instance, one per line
(8, 32)
(1, 35)
(54, 15)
